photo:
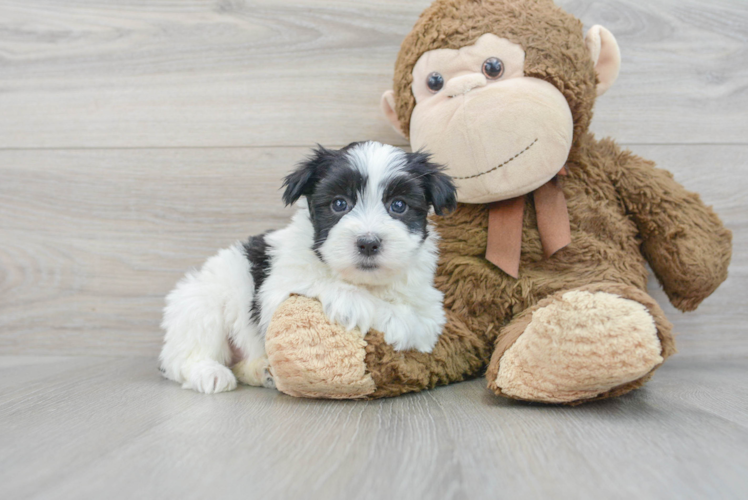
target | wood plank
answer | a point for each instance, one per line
(18, 371)
(91, 241)
(117, 430)
(170, 73)
(703, 383)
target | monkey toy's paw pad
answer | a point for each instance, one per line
(310, 357)
(579, 346)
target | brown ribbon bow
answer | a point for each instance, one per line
(505, 221)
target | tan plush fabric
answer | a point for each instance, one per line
(607, 62)
(494, 159)
(310, 357)
(578, 346)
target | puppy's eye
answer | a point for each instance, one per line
(493, 68)
(398, 206)
(435, 82)
(339, 205)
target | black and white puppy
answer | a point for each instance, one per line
(361, 244)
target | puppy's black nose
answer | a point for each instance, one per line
(368, 246)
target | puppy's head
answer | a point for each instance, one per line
(369, 204)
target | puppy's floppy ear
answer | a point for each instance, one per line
(308, 173)
(440, 190)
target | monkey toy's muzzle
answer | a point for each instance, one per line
(498, 141)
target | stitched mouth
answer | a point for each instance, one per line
(498, 166)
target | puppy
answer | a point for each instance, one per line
(361, 244)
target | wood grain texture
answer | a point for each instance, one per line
(139, 136)
(92, 240)
(173, 73)
(112, 428)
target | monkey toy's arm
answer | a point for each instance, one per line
(683, 240)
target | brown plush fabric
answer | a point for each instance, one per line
(459, 355)
(684, 241)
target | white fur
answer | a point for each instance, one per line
(209, 310)
(407, 307)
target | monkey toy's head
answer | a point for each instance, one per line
(499, 91)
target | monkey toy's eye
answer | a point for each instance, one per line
(435, 82)
(493, 68)
(398, 206)
(339, 205)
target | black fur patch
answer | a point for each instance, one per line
(341, 180)
(324, 176)
(256, 250)
(425, 184)
(439, 188)
(411, 191)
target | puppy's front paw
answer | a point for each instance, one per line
(210, 377)
(404, 329)
(350, 309)
(397, 328)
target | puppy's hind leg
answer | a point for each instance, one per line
(196, 348)
(252, 366)
(254, 372)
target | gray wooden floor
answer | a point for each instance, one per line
(96, 427)
(138, 137)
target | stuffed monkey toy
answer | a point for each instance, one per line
(543, 263)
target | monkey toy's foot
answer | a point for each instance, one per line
(310, 357)
(589, 343)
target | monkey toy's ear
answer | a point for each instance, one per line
(605, 55)
(301, 181)
(388, 106)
